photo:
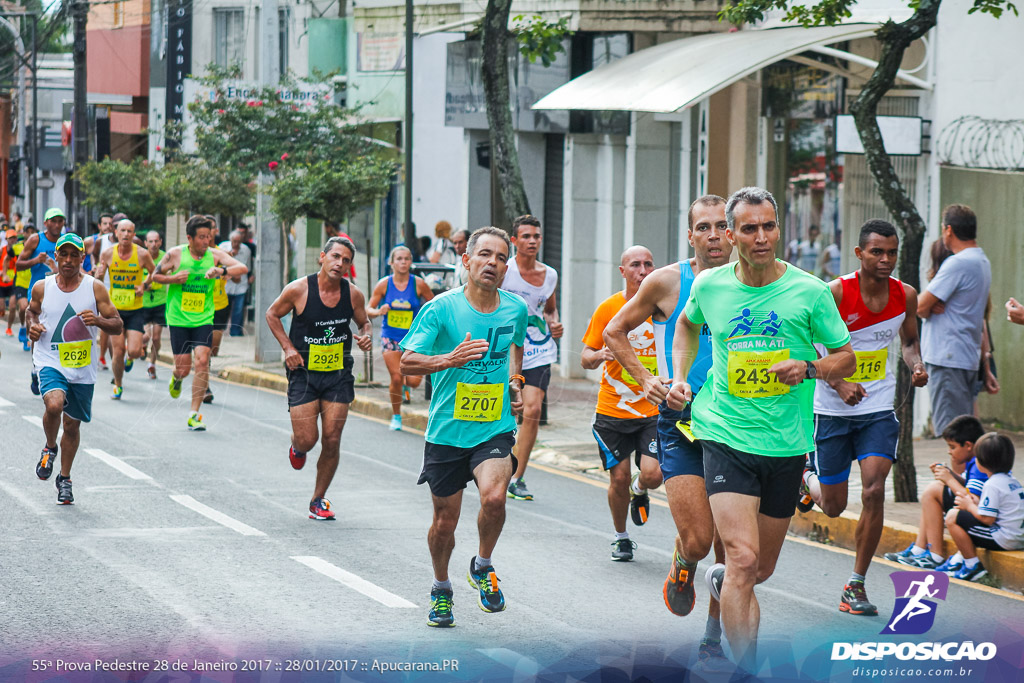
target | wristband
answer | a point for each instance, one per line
(522, 380)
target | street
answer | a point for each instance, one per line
(191, 550)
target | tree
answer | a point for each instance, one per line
(894, 39)
(328, 191)
(135, 188)
(190, 186)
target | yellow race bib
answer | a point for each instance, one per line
(649, 362)
(400, 320)
(326, 357)
(749, 376)
(75, 354)
(478, 402)
(685, 430)
(122, 298)
(870, 366)
(193, 302)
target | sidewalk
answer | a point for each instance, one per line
(567, 444)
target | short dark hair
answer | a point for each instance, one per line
(347, 243)
(748, 195)
(489, 230)
(963, 429)
(524, 220)
(107, 215)
(706, 200)
(876, 226)
(962, 220)
(994, 452)
(196, 222)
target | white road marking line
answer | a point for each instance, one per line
(118, 464)
(34, 419)
(23, 498)
(4, 403)
(219, 517)
(354, 582)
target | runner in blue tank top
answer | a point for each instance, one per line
(39, 255)
(398, 297)
(662, 296)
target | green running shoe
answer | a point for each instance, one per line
(174, 387)
(441, 608)
(486, 581)
(195, 423)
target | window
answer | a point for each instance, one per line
(284, 16)
(229, 36)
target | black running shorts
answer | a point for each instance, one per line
(134, 321)
(447, 469)
(539, 377)
(305, 386)
(184, 339)
(773, 479)
(221, 319)
(155, 315)
(619, 437)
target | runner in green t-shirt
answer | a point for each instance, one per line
(471, 340)
(755, 416)
(154, 305)
(189, 272)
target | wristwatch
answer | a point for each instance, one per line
(811, 372)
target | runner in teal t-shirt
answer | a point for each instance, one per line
(753, 415)
(471, 339)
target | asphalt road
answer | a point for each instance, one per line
(195, 548)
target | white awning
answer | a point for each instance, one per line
(674, 75)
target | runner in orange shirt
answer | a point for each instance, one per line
(625, 422)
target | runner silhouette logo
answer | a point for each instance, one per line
(916, 592)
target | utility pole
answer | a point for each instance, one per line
(34, 142)
(408, 232)
(270, 263)
(80, 122)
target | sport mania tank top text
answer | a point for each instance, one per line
(191, 304)
(665, 333)
(321, 334)
(125, 275)
(404, 304)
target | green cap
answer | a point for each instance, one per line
(53, 213)
(69, 238)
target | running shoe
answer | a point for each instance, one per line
(174, 387)
(195, 423)
(103, 363)
(639, 504)
(296, 458)
(895, 557)
(320, 510)
(396, 423)
(406, 395)
(855, 600)
(34, 384)
(678, 590)
(10, 332)
(973, 574)
(208, 398)
(622, 550)
(44, 468)
(950, 566)
(517, 489)
(64, 495)
(440, 613)
(804, 503)
(23, 335)
(714, 577)
(116, 393)
(129, 363)
(25, 346)
(711, 657)
(486, 581)
(921, 560)
(151, 371)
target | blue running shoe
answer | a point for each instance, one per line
(972, 574)
(129, 363)
(23, 335)
(950, 566)
(441, 608)
(34, 386)
(486, 581)
(905, 553)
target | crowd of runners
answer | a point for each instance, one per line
(744, 384)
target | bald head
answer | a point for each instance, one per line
(635, 252)
(125, 231)
(637, 263)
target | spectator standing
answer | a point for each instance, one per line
(238, 286)
(442, 250)
(1014, 311)
(953, 308)
(459, 240)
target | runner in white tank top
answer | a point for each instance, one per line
(535, 283)
(62, 317)
(854, 417)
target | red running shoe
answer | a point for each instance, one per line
(320, 509)
(297, 459)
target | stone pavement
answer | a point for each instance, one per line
(566, 443)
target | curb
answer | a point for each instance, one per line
(1007, 566)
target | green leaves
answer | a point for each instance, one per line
(135, 188)
(540, 39)
(327, 190)
(822, 13)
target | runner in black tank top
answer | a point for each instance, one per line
(318, 359)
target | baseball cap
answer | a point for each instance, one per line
(11, 234)
(72, 239)
(53, 213)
